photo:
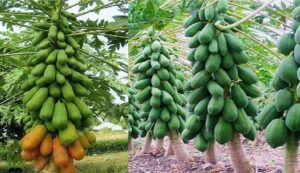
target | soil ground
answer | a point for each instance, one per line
(263, 158)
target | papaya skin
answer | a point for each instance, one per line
(60, 154)
(70, 168)
(29, 155)
(46, 145)
(40, 162)
(32, 139)
(76, 150)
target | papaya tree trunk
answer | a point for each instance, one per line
(178, 147)
(238, 158)
(291, 151)
(159, 144)
(257, 141)
(158, 147)
(170, 150)
(147, 148)
(130, 145)
(210, 154)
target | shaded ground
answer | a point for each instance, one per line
(263, 158)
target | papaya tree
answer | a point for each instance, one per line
(56, 120)
(162, 113)
(53, 95)
(133, 118)
(221, 86)
(280, 117)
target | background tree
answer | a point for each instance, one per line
(157, 81)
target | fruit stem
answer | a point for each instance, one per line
(222, 27)
(98, 8)
(36, 4)
(13, 54)
(102, 60)
(257, 42)
(19, 24)
(23, 40)
(274, 10)
(97, 32)
(247, 8)
(208, 5)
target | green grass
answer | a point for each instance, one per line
(106, 163)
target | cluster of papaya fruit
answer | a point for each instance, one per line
(158, 82)
(133, 115)
(221, 88)
(53, 89)
(180, 86)
(281, 117)
(46, 149)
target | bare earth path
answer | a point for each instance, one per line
(263, 158)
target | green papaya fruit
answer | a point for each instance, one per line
(68, 135)
(239, 96)
(276, 133)
(47, 109)
(201, 143)
(223, 131)
(292, 120)
(54, 90)
(37, 100)
(73, 112)
(242, 124)
(268, 114)
(283, 100)
(230, 111)
(60, 116)
(67, 91)
(83, 108)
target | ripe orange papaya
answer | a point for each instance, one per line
(60, 154)
(46, 145)
(76, 150)
(32, 139)
(40, 162)
(70, 168)
(28, 155)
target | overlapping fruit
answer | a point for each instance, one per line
(158, 84)
(281, 117)
(133, 115)
(221, 87)
(57, 119)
